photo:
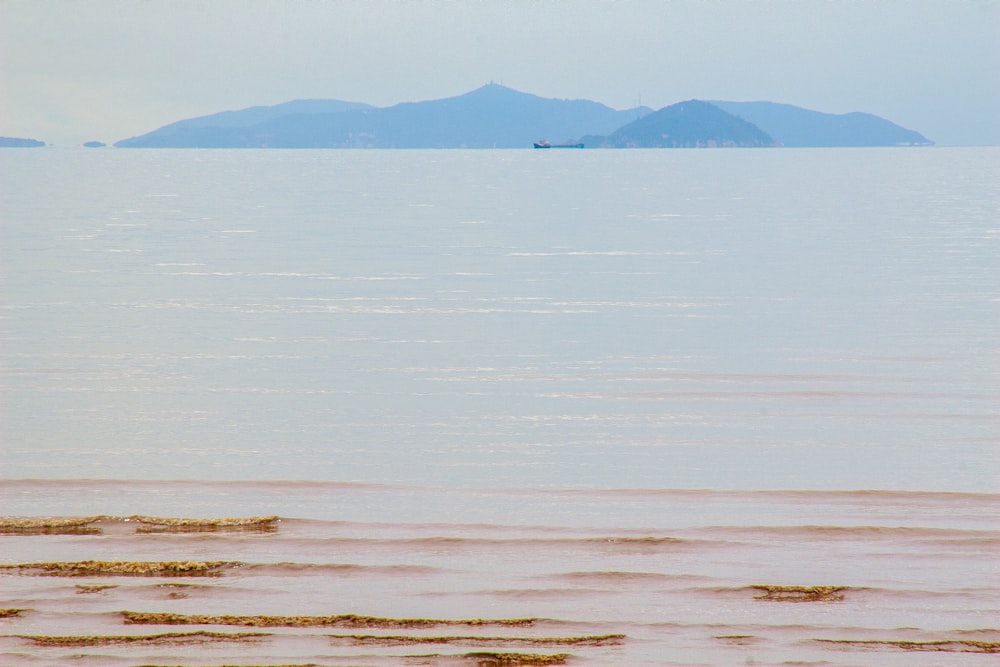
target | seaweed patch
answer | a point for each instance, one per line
(91, 568)
(516, 659)
(256, 524)
(78, 526)
(405, 640)
(146, 524)
(96, 588)
(800, 593)
(943, 645)
(341, 620)
(738, 640)
(11, 613)
(172, 638)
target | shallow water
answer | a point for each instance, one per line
(612, 391)
(674, 572)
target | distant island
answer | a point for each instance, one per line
(15, 142)
(492, 116)
(691, 124)
(495, 116)
(94, 144)
(797, 127)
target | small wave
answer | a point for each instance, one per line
(783, 593)
(986, 543)
(292, 568)
(615, 577)
(453, 543)
(738, 640)
(821, 532)
(536, 593)
(634, 540)
(827, 593)
(859, 496)
(940, 646)
(991, 632)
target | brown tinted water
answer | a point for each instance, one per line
(630, 577)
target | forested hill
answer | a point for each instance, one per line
(794, 126)
(691, 124)
(489, 117)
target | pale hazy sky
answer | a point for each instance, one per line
(76, 70)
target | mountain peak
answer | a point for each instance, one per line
(688, 124)
(495, 90)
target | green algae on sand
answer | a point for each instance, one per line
(95, 588)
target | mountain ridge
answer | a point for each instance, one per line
(494, 116)
(491, 116)
(797, 127)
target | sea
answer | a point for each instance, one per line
(500, 407)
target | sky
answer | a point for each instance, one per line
(79, 70)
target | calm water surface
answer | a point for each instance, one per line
(610, 390)
(669, 319)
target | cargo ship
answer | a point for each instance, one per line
(545, 144)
